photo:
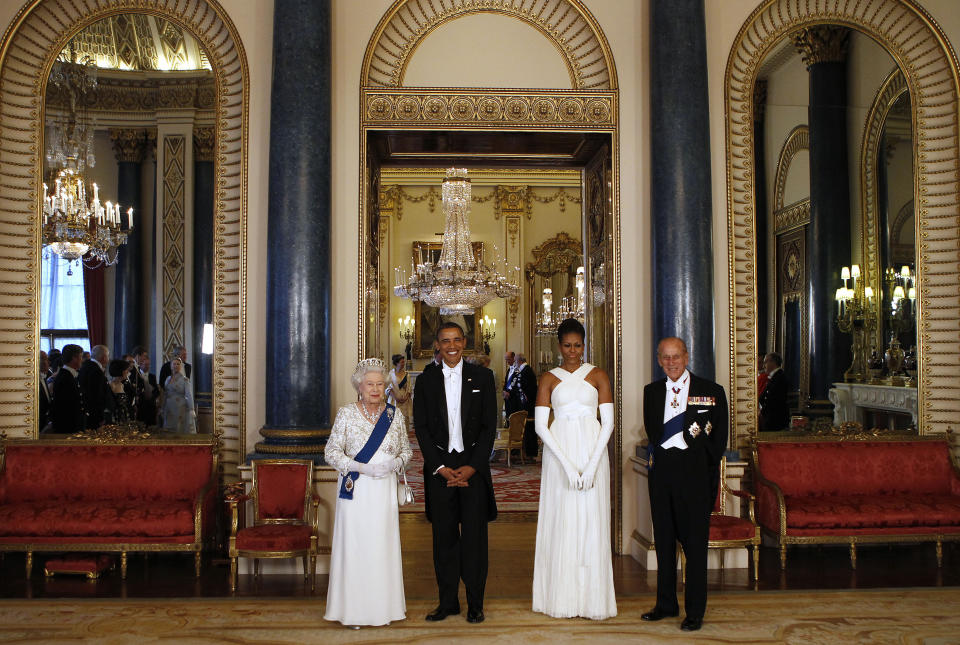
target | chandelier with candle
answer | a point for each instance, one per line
(74, 226)
(458, 282)
(549, 317)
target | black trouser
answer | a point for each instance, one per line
(459, 517)
(680, 500)
(530, 445)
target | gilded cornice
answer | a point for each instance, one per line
(554, 255)
(791, 217)
(129, 144)
(143, 94)
(822, 44)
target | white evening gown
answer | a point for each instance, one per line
(366, 572)
(573, 565)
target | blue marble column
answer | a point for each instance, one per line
(824, 50)
(681, 227)
(128, 145)
(298, 232)
(203, 145)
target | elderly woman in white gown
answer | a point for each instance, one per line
(179, 415)
(368, 445)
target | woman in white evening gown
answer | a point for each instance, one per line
(366, 573)
(573, 565)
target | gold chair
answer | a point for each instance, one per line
(282, 495)
(730, 531)
(514, 435)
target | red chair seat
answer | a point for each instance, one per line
(96, 519)
(872, 511)
(727, 527)
(274, 537)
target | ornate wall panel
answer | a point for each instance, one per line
(172, 330)
(923, 53)
(29, 47)
(566, 23)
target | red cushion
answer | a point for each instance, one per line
(857, 468)
(79, 563)
(727, 527)
(104, 472)
(274, 537)
(99, 519)
(109, 542)
(281, 490)
(866, 511)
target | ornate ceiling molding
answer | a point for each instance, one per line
(144, 94)
(796, 141)
(922, 51)
(568, 24)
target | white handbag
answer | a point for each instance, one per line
(404, 492)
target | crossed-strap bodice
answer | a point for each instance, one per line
(573, 397)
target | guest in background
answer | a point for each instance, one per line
(511, 385)
(762, 375)
(436, 358)
(179, 352)
(132, 385)
(399, 391)
(368, 445)
(56, 360)
(85, 358)
(43, 400)
(147, 386)
(774, 409)
(483, 360)
(528, 401)
(93, 384)
(120, 406)
(67, 414)
(178, 413)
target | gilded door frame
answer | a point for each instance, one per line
(385, 106)
(924, 54)
(29, 47)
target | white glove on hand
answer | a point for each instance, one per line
(356, 466)
(397, 465)
(600, 449)
(382, 469)
(540, 415)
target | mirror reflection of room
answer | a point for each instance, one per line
(836, 247)
(126, 275)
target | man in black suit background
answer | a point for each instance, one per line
(774, 409)
(67, 415)
(455, 418)
(93, 384)
(43, 399)
(511, 385)
(165, 371)
(528, 400)
(685, 418)
(147, 388)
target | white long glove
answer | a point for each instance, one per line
(541, 414)
(600, 449)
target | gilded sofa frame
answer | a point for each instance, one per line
(311, 501)
(123, 548)
(782, 540)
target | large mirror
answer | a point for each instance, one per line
(836, 243)
(127, 273)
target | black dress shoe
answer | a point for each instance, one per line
(658, 614)
(440, 613)
(691, 624)
(475, 616)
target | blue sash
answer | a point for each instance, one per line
(369, 450)
(672, 427)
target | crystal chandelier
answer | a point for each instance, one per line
(458, 282)
(547, 320)
(74, 227)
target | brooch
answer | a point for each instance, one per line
(390, 414)
(707, 428)
(694, 429)
(348, 484)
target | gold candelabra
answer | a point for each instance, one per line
(488, 331)
(856, 316)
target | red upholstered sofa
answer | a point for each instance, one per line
(857, 492)
(79, 495)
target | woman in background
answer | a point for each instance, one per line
(178, 413)
(399, 390)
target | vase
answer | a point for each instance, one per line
(910, 366)
(894, 357)
(875, 367)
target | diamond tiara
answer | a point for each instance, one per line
(371, 362)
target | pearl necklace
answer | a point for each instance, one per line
(372, 418)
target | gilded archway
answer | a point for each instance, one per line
(929, 64)
(29, 47)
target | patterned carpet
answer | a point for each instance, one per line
(517, 487)
(925, 616)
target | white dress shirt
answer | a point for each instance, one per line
(452, 380)
(669, 412)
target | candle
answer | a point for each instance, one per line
(130, 217)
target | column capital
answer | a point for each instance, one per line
(129, 144)
(822, 44)
(203, 144)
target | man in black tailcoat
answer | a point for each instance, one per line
(774, 409)
(455, 418)
(67, 414)
(685, 418)
(93, 383)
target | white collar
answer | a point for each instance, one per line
(682, 381)
(770, 374)
(71, 370)
(456, 369)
